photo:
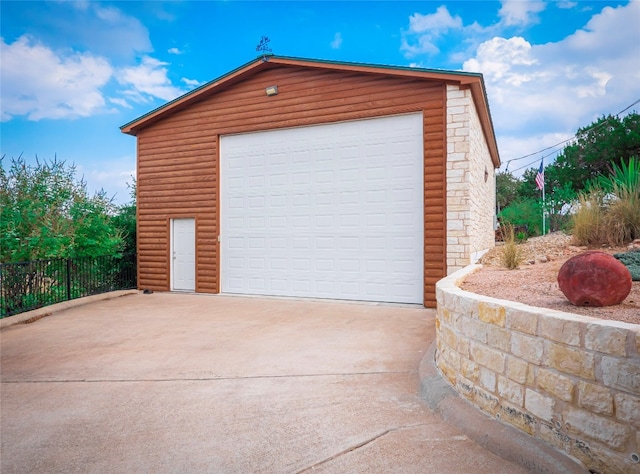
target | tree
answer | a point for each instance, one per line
(125, 220)
(606, 142)
(507, 187)
(46, 213)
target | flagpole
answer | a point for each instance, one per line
(543, 219)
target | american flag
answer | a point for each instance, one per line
(540, 176)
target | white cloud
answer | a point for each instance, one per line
(520, 13)
(337, 41)
(40, 83)
(148, 80)
(425, 30)
(174, 51)
(548, 91)
(120, 102)
(498, 59)
(190, 82)
(566, 4)
(436, 23)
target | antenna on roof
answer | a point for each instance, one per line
(264, 48)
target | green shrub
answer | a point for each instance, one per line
(632, 261)
(524, 212)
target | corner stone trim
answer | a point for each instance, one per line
(569, 380)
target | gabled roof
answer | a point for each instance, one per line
(474, 81)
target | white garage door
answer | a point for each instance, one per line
(327, 211)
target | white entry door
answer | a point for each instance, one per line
(326, 211)
(183, 253)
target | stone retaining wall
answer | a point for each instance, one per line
(570, 380)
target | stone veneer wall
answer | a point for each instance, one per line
(470, 199)
(570, 380)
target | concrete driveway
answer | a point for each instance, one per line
(200, 383)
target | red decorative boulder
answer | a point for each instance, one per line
(594, 279)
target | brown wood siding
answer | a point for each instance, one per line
(178, 156)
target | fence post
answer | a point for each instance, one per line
(68, 279)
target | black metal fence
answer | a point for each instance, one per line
(29, 285)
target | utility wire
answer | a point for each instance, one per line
(535, 161)
(595, 127)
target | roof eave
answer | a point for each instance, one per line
(473, 80)
(132, 127)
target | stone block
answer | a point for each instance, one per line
(539, 405)
(527, 347)
(510, 390)
(560, 329)
(556, 384)
(487, 379)
(621, 374)
(612, 434)
(627, 409)
(517, 369)
(487, 357)
(595, 398)
(465, 388)
(461, 147)
(499, 338)
(455, 225)
(456, 102)
(486, 401)
(607, 339)
(447, 299)
(475, 330)
(522, 321)
(457, 110)
(600, 459)
(461, 132)
(637, 342)
(460, 118)
(463, 346)
(492, 313)
(570, 360)
(448, 336)
(444, 315)
(455, 248)
(447, 371)
(469, 369)
(516, 417)
(549, 433)
(451, 357)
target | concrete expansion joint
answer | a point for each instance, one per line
(359, 445)
(209, 379)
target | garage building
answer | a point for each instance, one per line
(322, 179)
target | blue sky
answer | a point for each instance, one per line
(73, 72)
